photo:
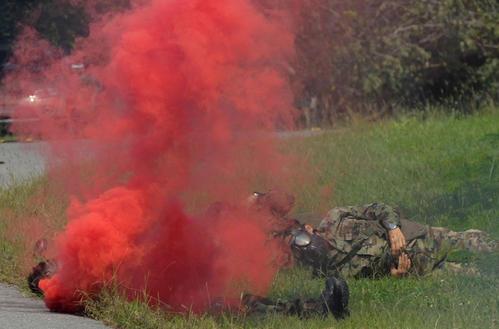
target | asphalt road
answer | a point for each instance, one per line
(20, 162)
(19, 312)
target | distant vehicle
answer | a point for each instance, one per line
(45, 101)
(23, 109)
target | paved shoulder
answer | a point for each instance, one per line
(19, 312)
(20, 162)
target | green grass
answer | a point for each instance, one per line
(433, 302)
(441, 170)
(28, 211)
(7, 139)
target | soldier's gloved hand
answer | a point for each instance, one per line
(397, 241)
(404, 264)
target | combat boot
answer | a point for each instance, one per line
(336, 296)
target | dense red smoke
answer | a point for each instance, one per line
(171, 113)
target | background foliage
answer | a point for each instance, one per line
(59, 21)
(365, 56)
(375, 55)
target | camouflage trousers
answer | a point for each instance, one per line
(332, 300)
(429, 252)
(471, 240)
(298, 307)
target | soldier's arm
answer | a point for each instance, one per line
(389, 218)
(333, 216)
(384, 214)
(381, 212)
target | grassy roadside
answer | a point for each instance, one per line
(435, 302)
(7, 139)
(28, 211)
(441, 171)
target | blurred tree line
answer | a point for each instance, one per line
(377, 56)
(59, 21)
(357, 56)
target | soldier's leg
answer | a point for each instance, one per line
(425, 255)
(428, 254)
(260, 305)
(333, 299)
(471, 240)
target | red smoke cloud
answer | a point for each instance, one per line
(172, 109)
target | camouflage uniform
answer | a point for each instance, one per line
(299, 307)
(471, 240)
(360, 247)
(333, 299)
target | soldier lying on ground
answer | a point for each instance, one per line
(333, 299)
(368, 241)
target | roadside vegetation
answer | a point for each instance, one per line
(373, 56)
(28, 211)
(435, 302)
(439, 169)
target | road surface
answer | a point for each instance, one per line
(20, 162)
(20, 312)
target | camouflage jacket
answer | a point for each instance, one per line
(359, 242)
